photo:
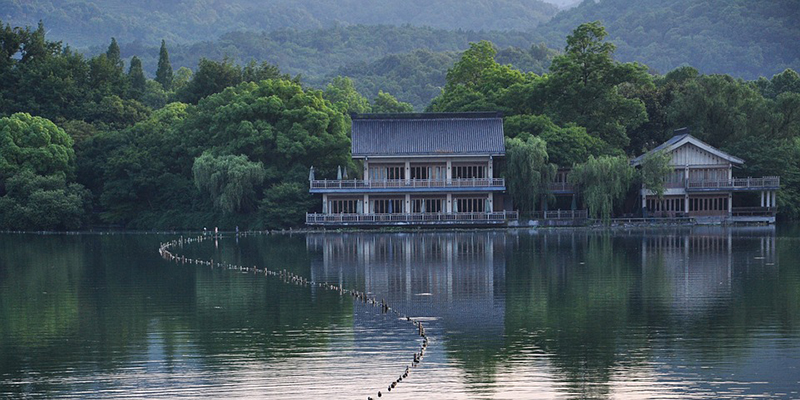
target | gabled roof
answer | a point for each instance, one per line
(382, 135)
(682, 139)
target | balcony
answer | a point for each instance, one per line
(561, 187)
(404, 186)
(492, 218)
(735, 184)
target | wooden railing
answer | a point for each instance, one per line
(561, 187)
(737, 183)
(754, 211)
(402, 183)
(562, 214)
(492, 217)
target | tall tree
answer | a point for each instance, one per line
(138, 83)
(602, 182)
(528, 171)
(586, 86)
(231, 181)
(386, 103)
(114, 56)
(164, 71)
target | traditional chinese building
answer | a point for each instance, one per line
(419, 169)
(702, 185)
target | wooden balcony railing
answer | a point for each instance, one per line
(561, 187)
(402, 183)
(754, 211)
(737, 183)
(562, 214)
(425, 218)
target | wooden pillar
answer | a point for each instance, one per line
(324, 203)
(366, 170)
(730, 204)
(489, 199)
(407, 206)
(490, 168)
(686, 204)
(408, 172)
(762, 199)
(449, 205)
(774, 199)
(366, 204)
(449, 172)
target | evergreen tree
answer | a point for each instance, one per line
(138, 83)
(114, 56)
(164, 71)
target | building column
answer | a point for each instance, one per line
(449, 206)
(407, 206)
(449, 172)
(366, 204)
(366, 170)
(490, 168)
(408, 172)
(489, 199)
(324, 203)
(762, 199)
(774, 199)
(730, 204)
(686, 204)
(644, 203)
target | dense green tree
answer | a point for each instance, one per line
(565, 146)
(35, 202)
(586, 86)
(654, 171)
(211, 77)
(386, 103)
(285, 204)
(138, 82)
(230, 181)
(343, 95)
(114, 56)
(164, 71)
(527, 171)
(35, 144)
(602, 183)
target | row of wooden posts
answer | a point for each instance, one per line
(167, 251)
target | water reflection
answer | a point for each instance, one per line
(700, 312)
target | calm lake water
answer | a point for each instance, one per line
(704, 312)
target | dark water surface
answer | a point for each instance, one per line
(703, 312)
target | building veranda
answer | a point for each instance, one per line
(419, 169)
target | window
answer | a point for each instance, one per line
(432, 172)
(426, 205)
(469, 171)
(343, 206)
(387, 206)
(386, 172)
(472, 204)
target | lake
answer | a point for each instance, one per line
(690, 312)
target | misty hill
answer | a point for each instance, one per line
(83, 23)
(407, 61)
(743, 38)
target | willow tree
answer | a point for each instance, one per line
(528, 171)
(602, 183)
(655, 169)
(230, 180)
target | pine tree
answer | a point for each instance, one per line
(138, 83)
(164, 71)
(114, 56)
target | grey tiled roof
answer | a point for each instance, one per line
(427, 134)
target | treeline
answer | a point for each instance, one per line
(83, 23)
(406, 60)
(591, 113)
(745, 39)
(93, 141)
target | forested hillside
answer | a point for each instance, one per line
(743, 38)
(407, 61)
(85, 23)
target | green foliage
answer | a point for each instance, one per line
(285, 204)
(386, 103)
(231, 181)
(35, 202)
(343, 95)
(527, 171)
(586, 87)
(164, 70)
(138, 82)
(35, 144)
(213, 77)
(566, 146)
(655, 169)
(114, 56)
(745, 39)
(602, 183)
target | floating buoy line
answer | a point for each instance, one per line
(165, 250)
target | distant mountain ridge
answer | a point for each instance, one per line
(84, 23)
